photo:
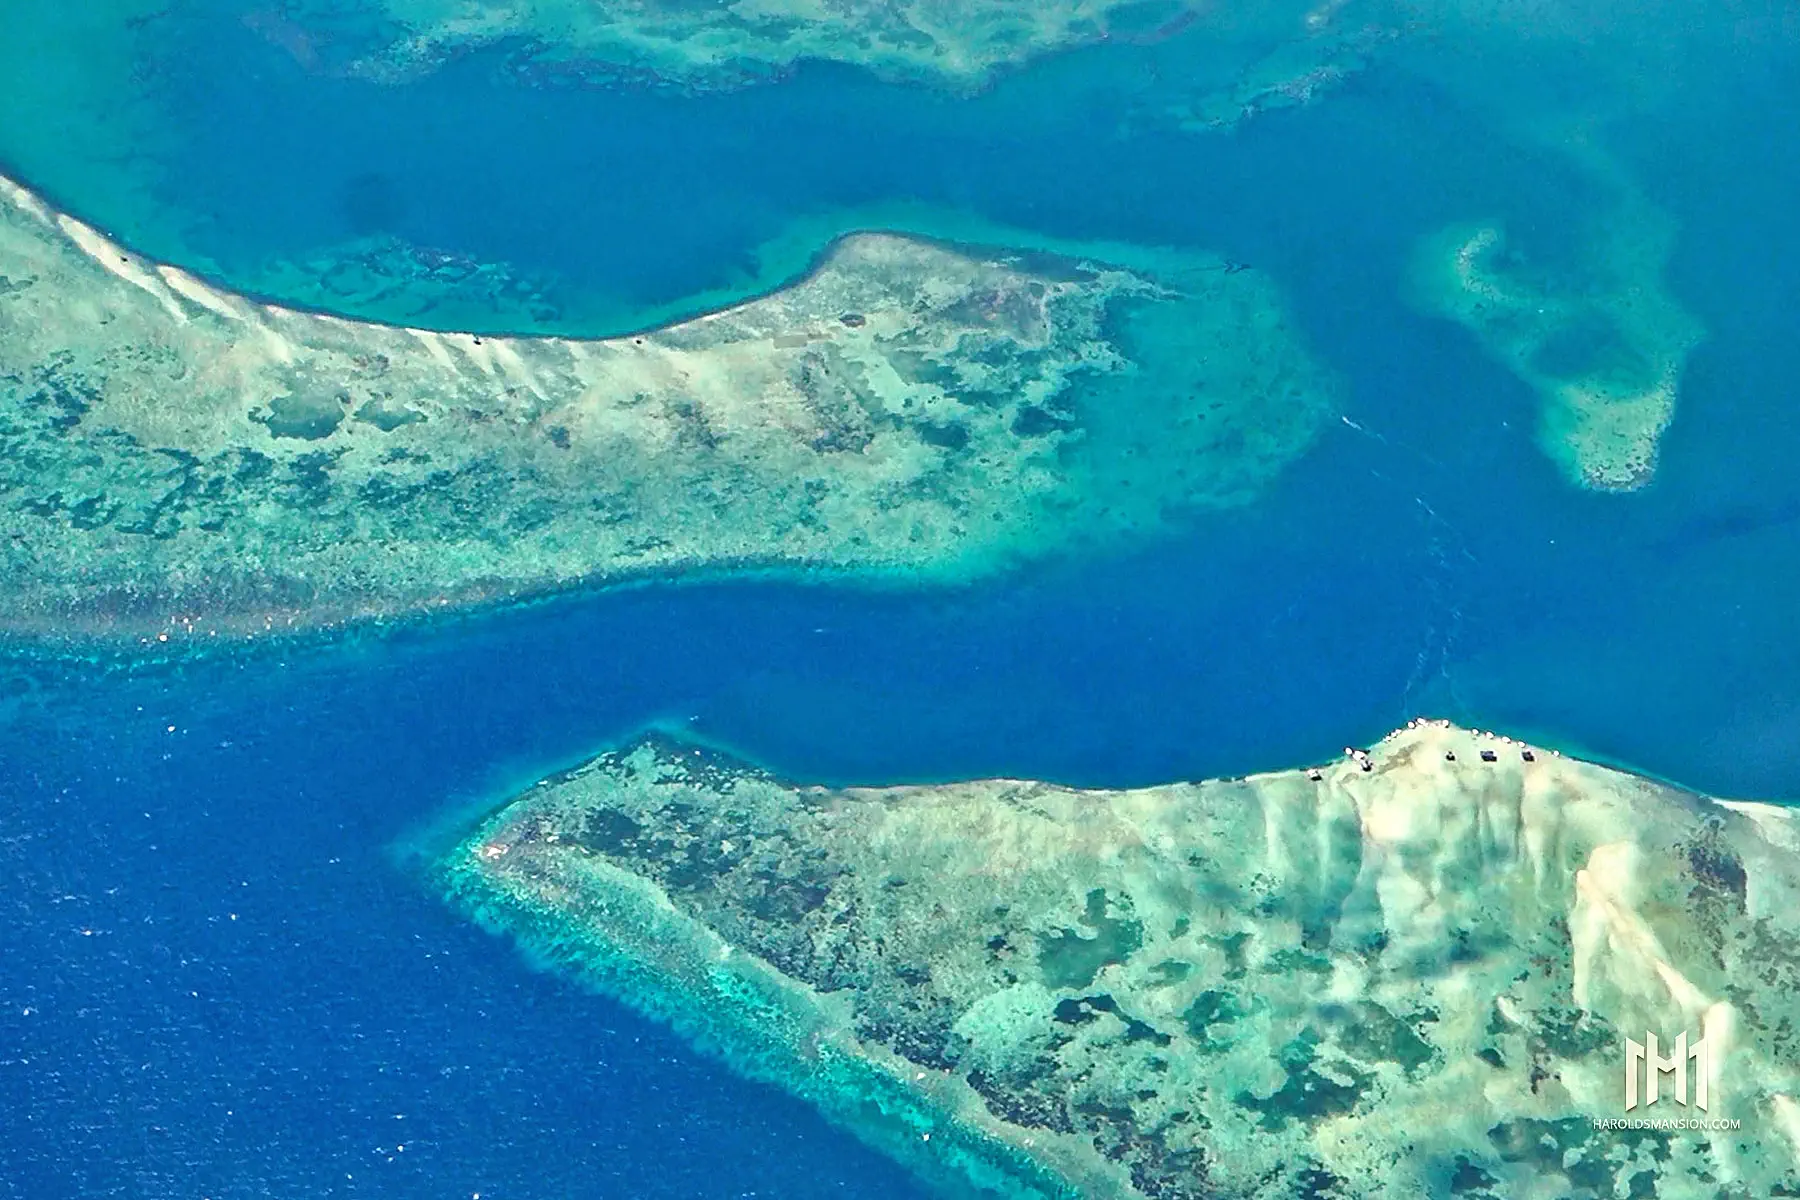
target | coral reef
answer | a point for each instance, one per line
(1600, 339)
(1307, 61)
(957, 43)
(1412, 972)
(178, 461)
(391, 280)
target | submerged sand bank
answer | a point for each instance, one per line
(176, 459)
(1601, 340)
(1410, 979)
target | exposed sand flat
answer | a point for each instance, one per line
(1412, 979)
(189, 288)
(175, 459)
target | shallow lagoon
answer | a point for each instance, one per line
(1426, 558)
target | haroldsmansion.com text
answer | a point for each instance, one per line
(1672, 1124)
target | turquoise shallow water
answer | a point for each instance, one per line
(1424, 558)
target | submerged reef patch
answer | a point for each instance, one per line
(176, 459)
(1593, 331)
(390, 280)
(959, 43)
(1411, 973)
(1308, 57)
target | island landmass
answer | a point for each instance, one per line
(178, 461)
(1409, 972)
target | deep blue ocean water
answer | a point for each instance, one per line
(219, 977)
